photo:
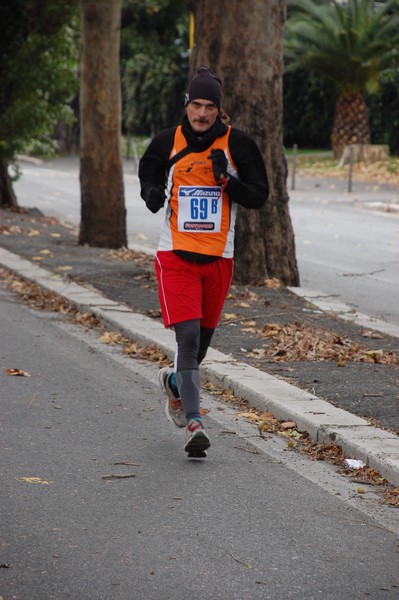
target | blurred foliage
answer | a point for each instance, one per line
(154, 63)
(384, 112)
(38, 70)
(364, 49)
(39, 48)
(309, 104)
(351, 43)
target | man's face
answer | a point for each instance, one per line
(201, 114)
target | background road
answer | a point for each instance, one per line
(344, 249)
(251, 521)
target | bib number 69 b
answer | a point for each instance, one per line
(199, 208)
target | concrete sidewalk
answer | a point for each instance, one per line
(321, 419)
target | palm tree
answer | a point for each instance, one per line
(351, 42)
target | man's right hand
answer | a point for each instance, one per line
(154, 198)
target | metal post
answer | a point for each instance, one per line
(350, 168)
(293, 165)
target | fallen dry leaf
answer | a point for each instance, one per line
(17, 373)
(6, 230)
(38, 480)
(372, 334)
(288, 425)
(271, 330)
(88, 320)
(151, 352)
(266, 415)
(331, 453)
(17, 285)
(249, 415)
(132, 348)
(375, 353)
(110, 337)
(291, 434)
(268, 426)
(132, 255)
(273, 283)
(230, 316)
(249, 324)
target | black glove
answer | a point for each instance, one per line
(154, 198)
(219, 164)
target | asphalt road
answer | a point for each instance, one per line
(345, 249)
(53, 187)
(251, 521)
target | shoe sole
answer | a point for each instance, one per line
(197, 446)
(198, 454)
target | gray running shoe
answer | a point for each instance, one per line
(197, 440)
(174, 406)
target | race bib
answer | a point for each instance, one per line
(200, 208)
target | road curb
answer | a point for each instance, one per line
(323, 421)
(326, 303)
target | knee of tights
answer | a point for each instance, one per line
(188, 342)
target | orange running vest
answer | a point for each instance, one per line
(199, 216)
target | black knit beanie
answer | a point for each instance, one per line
(205, 85)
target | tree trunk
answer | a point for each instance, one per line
(7, 195)
(351, 124)
(103, 214)
(243, 43)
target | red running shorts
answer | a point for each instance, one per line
(189, 290)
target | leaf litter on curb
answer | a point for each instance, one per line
(330, 453)
(297, 342)
(36, 297)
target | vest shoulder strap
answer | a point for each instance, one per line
(178, 156)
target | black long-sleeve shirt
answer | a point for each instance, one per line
(250, 189)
